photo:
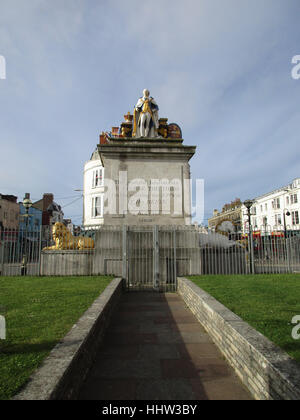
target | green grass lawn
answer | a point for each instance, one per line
(39, 311)
(266, 302)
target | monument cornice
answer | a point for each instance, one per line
(144, 140)
(144, 152)
(146, 148)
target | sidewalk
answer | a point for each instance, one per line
(156, 350)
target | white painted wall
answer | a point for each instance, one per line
(90, 192)
(265, 209)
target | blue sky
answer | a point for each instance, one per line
(221, 69)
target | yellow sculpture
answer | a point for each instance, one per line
(65, 240)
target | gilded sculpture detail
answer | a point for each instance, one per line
(64, 240)
(145, 122)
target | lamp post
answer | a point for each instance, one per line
(286, 213)
(248, 204)
(27, 203)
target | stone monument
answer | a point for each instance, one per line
(145, 172)
(137, 206)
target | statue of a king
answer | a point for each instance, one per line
(145, 117)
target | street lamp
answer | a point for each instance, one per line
(248, 204)
(285, 213)
(27, 203)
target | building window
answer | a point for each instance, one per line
(97, 206)
(295, 217)
(265, 221)
(276, 204)
(294, 199)
(261, 208)
(287, 201)
(278, 220)
(98, 178)
(266, 206)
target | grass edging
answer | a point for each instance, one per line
(63, 372)
(266, 370)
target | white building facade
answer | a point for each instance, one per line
(93, 192)
(275, 211)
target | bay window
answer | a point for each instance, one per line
(97, 206)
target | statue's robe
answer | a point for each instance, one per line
(154, 123)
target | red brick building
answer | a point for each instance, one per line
(52, 212)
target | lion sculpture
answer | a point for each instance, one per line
(65, 240)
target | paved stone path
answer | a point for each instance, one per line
(156, 350)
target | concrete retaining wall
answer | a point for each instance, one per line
(67, 263)
(63, 372)
(267, 371)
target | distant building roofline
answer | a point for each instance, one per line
(278, 190)
(9, 197)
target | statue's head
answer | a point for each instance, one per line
(146, 93)
(58, 230)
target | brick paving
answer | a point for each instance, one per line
(155, 349)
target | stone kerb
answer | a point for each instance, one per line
(65, 369)
(266, 370)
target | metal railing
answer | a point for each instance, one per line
(20, 252)
(276, 250)
(265, 251)
(149, 256)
